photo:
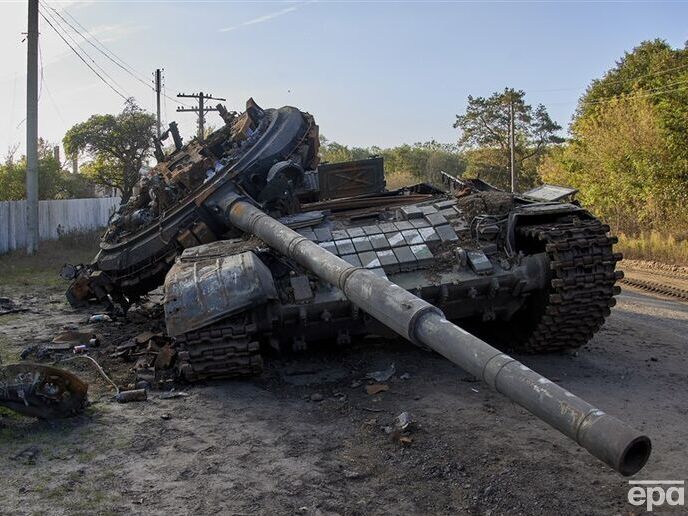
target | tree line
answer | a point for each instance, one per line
(627, 150)
(54, 182)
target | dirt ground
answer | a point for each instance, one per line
(306, 438)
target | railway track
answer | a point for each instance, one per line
(655, 287)
(682, 276)
(656, 278)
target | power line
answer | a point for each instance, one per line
(103, 71)
(617, 81)
(40, 59)
(104, 52)
(640, 94)
(14, 102)
(661, 72)
(52, 100)
(660, 90)
(127, 66)
(82, 59)
(112, 56)
(164, 99)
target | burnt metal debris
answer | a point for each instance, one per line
(41, 391)
(258, 247)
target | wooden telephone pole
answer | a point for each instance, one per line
(158, 83)
(201, 109)
(32, 129)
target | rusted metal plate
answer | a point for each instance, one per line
(203, 291)
(351, 178)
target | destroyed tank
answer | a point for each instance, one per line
(258, 246)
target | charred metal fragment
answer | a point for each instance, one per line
(41, 391)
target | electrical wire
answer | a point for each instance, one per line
(110, 54)
(164, 100)
(102, 50)
(10, 118)
(617, 81)
(84, 52)
(82, 59)
(100, 369)
(632, 96)
(45, 84)
(660, 72)
(40, 58)
(52, 101)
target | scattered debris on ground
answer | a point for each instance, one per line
(8, 306)
(132, 395)
(278, 451)
(376, 388)
(382, 376)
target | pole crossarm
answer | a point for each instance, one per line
(194, 110)
(201, 109)
(197, 95)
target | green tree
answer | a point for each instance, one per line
(628, 154)
(53, 182)
(408, 163)
(484, 128)
(617, 160)
(118, 146)
(333, 152)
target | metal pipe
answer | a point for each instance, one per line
(607, 438)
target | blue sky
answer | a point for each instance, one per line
(372, 73)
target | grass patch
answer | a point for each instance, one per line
(9, 350)
(654, 246)
(42, 268)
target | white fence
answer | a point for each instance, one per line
(54, 218)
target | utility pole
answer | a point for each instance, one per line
(201, 109)
(32, 128)
(512, 144)
(158, 81)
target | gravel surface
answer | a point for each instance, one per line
(307, 438)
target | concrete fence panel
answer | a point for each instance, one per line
(54, 218)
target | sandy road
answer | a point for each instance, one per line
(263, 446)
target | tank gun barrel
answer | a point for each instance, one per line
(623, 448)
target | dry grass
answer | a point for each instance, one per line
(654, 246)
(400, 179)
(43, 268)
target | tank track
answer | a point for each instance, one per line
(582, 284)
(223, 350)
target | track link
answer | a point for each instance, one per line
(223, 350)
(582, 285)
